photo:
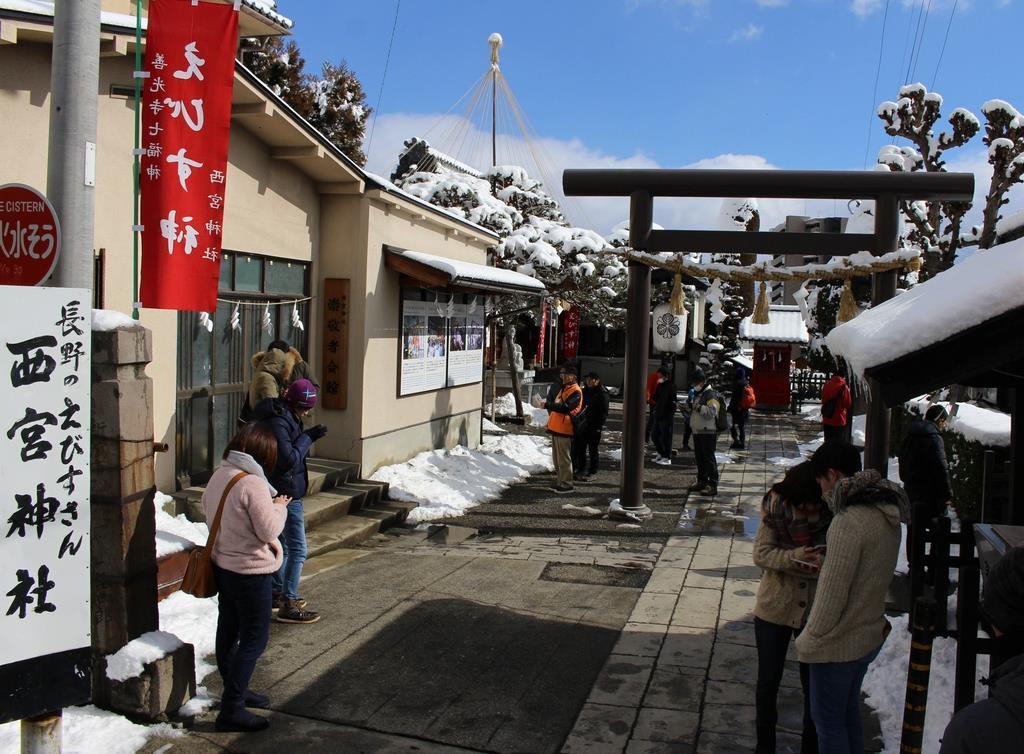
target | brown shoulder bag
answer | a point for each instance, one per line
(199, 580)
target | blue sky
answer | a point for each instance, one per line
(671, 83)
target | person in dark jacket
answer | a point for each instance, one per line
(284, 416)
(664, 411)
(595, 409)
(924, 470)
(996, 725)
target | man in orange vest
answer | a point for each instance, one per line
(563, 406)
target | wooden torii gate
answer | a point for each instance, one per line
(643, 186)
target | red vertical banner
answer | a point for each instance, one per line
(543, 332)
(570, 333)
(186, 122)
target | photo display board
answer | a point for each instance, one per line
(441, 341)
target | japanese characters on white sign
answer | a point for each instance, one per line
(44, 462)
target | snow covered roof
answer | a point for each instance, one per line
(455, 272)
(983, 286)
(391, 188)
(743, 361)
(786, 325)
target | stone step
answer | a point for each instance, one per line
(338, 472)
(375, 491)
(347, 531)
(327, 506)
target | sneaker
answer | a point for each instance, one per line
(240, 721)
(657, 458)
(687, 447)
(292, 613)
(696, 486)
(279, 602)
(563, 488)
(663, 461)
(736, 446)
(711, 490)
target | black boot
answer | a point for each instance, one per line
(235, 720)
(765, 739)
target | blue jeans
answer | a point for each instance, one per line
(835, 703)
(293, 544)
(243, 627)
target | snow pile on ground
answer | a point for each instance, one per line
(725, 458)
(490, 428)
(981, 287)
(506, 406)
(94, 729)
(983, 425)
(449, 482)
(129, 660)
(175, 533)
(615, 454)
(886, 686)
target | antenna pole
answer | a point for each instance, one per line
(495, 42)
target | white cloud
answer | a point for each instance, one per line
(748, 33)
(864, 8)
(599, 213)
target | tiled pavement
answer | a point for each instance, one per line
(681, 678)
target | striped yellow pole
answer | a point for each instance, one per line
(918, 671)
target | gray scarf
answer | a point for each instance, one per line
(246, 462)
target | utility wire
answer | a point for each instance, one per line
(913, 47)
(383, 78)
(874, 93)
(945, 39)
(920, 45)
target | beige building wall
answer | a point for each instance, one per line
(271, 207)
(381, 427)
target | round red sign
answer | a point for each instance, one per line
(29, 236)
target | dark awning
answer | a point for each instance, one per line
(441, 272)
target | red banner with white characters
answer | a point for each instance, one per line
(543, 330)
(186, 121)
(570, 333)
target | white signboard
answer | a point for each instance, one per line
(424, 346)
(44, 462)
(465, 344)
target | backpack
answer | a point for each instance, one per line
(828, 408)
(749, 398)
(722, 417)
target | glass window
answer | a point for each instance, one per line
(247, 273)
(225, 273)
(286, 277)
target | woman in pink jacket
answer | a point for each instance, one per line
(245, 557)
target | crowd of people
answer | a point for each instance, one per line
(827, 543)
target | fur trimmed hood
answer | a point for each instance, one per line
(291, 359)
(273, 362)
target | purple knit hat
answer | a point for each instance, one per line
(301, 394)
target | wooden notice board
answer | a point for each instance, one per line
(335, 343)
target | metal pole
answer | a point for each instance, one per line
(967, 628)
(883, 288)
(634, 403)
(71, 162)
(494, 115)
(41, 735)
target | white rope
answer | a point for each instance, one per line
(289, 302)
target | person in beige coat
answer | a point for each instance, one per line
(267, 376)
(787, 547)
(847, 625)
